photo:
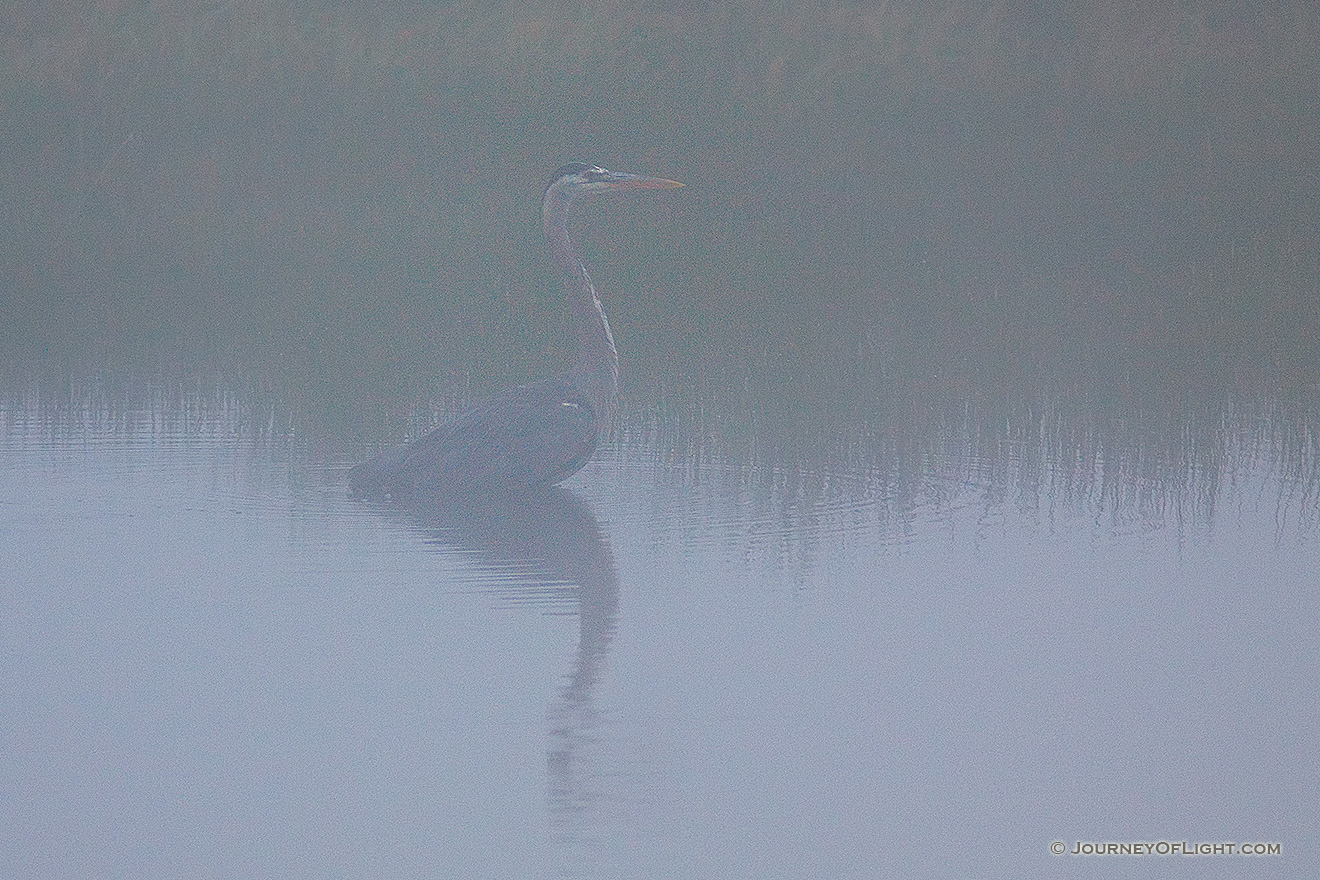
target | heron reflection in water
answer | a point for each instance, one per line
(534, 435)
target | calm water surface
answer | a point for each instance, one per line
(217, 664)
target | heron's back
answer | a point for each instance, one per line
(533, 435)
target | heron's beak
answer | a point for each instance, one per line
(622, 180)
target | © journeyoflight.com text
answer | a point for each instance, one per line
(1165, 848)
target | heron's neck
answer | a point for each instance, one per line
(598, 362)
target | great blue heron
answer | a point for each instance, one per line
(533, 435)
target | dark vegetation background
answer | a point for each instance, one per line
(1075, 219)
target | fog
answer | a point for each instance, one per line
(962, 497)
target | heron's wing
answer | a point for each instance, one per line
(528, 436)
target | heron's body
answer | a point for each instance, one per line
(533, 435)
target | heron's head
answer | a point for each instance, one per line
(579, 177)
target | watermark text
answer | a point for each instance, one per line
(1164, 848)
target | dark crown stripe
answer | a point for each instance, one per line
(569, 169)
